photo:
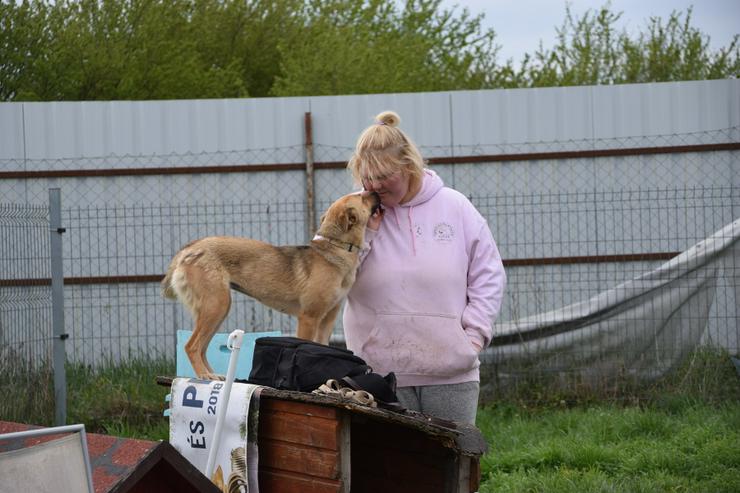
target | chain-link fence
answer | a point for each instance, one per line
(571, 219)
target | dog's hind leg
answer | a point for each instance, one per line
(213, 306)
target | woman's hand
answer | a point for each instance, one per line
(375, 220)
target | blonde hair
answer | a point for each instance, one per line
(382, 149)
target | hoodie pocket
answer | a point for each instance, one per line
(419, 344)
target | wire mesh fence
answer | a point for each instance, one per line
(571, 219)
(26, 373)
(116, 256)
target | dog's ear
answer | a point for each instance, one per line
(349, 218)
(321, 220)
(353, 216)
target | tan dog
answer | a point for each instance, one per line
(307, 281)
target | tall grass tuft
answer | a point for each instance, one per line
(120, 399)
(27, 389)
(706, 375)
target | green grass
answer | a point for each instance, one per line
(120, 400)
(688, 446)
(682, 435)
(27, 389)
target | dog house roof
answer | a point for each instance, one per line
(124, 464)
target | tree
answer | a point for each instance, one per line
(590, 50)
(356, 46)
(110, 49)
(23, 36)
(166, 49)
(160, 49)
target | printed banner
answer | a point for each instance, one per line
(193, 409)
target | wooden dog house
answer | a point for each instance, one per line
(312, 443)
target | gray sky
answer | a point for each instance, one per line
(521, 24)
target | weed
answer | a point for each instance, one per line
(27, 387)
(120, 399)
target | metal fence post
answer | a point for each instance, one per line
(57, 306)
(310, 203)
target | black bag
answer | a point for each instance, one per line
(383, 388)
(290, 363)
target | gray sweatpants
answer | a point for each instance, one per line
(455, 402)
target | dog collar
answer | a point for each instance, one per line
(344, 245)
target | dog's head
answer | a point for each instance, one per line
(347, 217)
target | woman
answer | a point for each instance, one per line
(430, 283)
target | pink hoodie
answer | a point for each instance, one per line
(430, 284)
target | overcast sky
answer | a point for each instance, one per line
(521, 24)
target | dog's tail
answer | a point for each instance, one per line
(167, 289)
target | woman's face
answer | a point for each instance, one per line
(393, 188)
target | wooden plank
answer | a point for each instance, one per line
(303, 447)
(300, 429)
(303, 408)
(474, 474)
(463, 475)
(302, 459)
(345, 451)
(283, 482)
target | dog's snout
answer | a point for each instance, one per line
(375, 201)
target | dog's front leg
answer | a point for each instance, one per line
(308, 325)
(326, 326)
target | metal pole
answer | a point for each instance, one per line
(310, 205)
(234, 344)
(57, 306)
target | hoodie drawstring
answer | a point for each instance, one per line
(411, 230)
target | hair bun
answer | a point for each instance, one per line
(389, 118)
